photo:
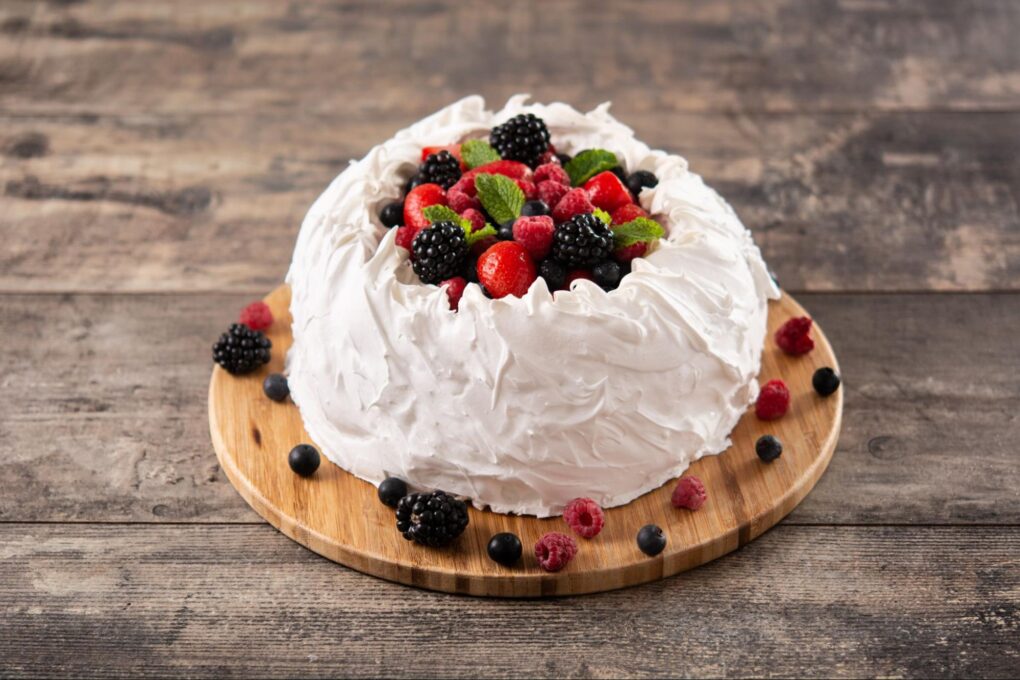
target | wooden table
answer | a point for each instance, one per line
(156, 159)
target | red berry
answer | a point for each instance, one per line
(552, 172)
(483, 244)
(459, 201)
(454, 150)
(585, 517)
(574, 202)
(535, 234)
(607, 191)
(506, 269)
(476, 218)
(548, 156)
(773, 400)
(551, 192)
(454, 290)
(257, 316)
(689, 493)
(576, 274)
(529, 189)
(628, 253)
(554, 550)
(405, 236)
(793, 337)
(628, 213)
(511, 169)
(465, 185)
(419, 198)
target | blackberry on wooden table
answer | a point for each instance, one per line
(241, 350)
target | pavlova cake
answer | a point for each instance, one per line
(523, 307)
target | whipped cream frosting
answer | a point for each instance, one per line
(522, 404)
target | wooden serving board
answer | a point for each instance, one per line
(340, 517)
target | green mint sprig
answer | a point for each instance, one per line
(638, 230)
(589, 163)
(442, 213)
(602, 215)
(500, 196)
(476, 152)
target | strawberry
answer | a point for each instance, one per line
(454, 290)
(535, 234)
(607, 191)
(511, 169)
(630, 252)
(551, 192)
(530, 192)
(628, 212)
(506, 269)
(553, 172)
(466, 185)
(454, 150)
(421, 197)
(476, 218)
(405, 236)
(574, 202)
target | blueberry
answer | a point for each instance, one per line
(414, 181)
(607, 274)
(505, 549)
(825, 381)
(564, 158)
(392, 490)
(393, 214)
(639, 179)
(620, 173)
(651, 540)
(768, 448)
(275, 386)
(304, 460)
(506, 231)
(533, 208)
(554, 273)
(471, 270)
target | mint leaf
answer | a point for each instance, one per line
(636, 231)
(500, 196)
(602, 215)
(440, 213)
(475, 236)
(477, 152)
(589, 163)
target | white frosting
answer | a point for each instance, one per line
(522, 404)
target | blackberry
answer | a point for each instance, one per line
(412, 182)
(582, 242)
(523, 138)
(432, 519)
(607, 274)
(554, 274)
(241, 350)
(439, 252)
(441, 168)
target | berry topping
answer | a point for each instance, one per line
(506, 231)
(392, 215)
(627, 213)
(511, 169)
(554, 550)
(563, 158)
(552, 172)
(412, 182)
(461, 201)
(475, 217)
(551, 193)
(275, 387)
(506, 269)
(585, 517)
(794, 336)
(768, 448)
(392, 490)
(405, 236)
(535, 234)
(630, 252)
(529, 189)
(582, 241)
(549, 156)
(439, 252)
(304, 460)
(523, 138)
(606, 191)
(554, 273)
(651, 540)
(440, 168)
(432, 519)
(465, 185)
(825, 381)
(607, 275)
(534, 209)
(241, 350)
(452, 149)
(574, 202)
(576, 274)
(421, 197)
(639, 179)
(505, 549)
(455, 290)
(257, 316)
(773, 400)
(689, 493)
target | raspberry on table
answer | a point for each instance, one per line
(257, 316)
(554, 550)
(793, 337)
(773, 400)
(689, 493)
(241, 350)
(585, 517)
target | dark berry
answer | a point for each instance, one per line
(441, 168)
(304, 459)
(470, 272)
(554, 273)
(639, 179)
(412, 182)
(564, 158)
(620, 173)
(432, 519)
(506, 231)
(825, 381)
(275, 386)
(392, 490)
(523, 138)
(768, 448)
(607, 274)
(393, 214)
(582, 242)
(505, 548)
(534, 209)
(241, 350)
(651, 540)
(439, 252)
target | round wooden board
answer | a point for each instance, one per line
(339, 516)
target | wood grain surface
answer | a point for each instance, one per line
(156, 159)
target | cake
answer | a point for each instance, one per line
(524, 401)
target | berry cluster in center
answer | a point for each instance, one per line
(502, 213)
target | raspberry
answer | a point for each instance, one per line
(793, 337)
(553, 172)
(465, 185)
(529, 189)
(257, 316)
(630, 252)
(511, 169)
(773, 400)
(607, 191)
(574, 202)
(627, 213)
(551, 192)
(454, 290)
(506, 269)
(689, 493)
(554, 550)
(421, 197)
(460, 201)
(585, 517)
(535, 234)
(476, 218)
(405, 236)
(549, 156)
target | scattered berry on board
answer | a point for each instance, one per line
(257, 316)
(505, 548)
(773, 400)
(825, 381)
(768, 448)
(391, 490)
(275, 387)
(433, 519)
(651, 540)
(794, 336)
(241, 350)
(585, 517)
(555, 550)
(689, 493)
(304, 460)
